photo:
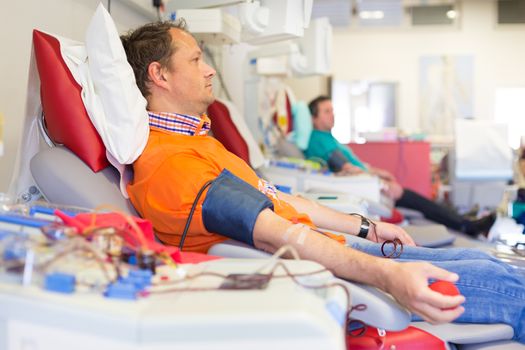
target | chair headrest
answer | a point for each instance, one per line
(225, 130)
(66, 119)
(303, 124)
(111, 114)
(229, 127)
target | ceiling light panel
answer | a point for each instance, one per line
(338, 11)
(379, 13)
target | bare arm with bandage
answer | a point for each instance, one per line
(235, 209)
(406, 282)
(330, 219)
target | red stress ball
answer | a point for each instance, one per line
(445, 288)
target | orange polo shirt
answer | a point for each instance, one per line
(169, 174)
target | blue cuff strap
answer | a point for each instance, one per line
(231, 207)
(336, 161)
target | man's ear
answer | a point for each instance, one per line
(156, 74)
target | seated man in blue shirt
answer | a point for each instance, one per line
(342, 161)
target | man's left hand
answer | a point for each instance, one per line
(383, 174)
(383, 231)
(392, 190)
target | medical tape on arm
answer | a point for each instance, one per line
(290, 230)
(301, 230)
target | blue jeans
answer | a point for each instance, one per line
(494, 291)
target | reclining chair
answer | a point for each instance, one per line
(74, 183)
(64, 177)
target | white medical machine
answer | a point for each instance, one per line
(481, 163)
(282, 315)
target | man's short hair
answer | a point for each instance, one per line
(147, 44)
(314, 104)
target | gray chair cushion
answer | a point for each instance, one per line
(497, 345)
(410, 214)
(430, 236)
(466, 333)
(64, 179)
(284, 148)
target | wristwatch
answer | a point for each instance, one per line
(364, 228)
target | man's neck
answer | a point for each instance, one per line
(157, 106)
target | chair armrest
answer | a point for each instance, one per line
(238, 250)
(468, 333)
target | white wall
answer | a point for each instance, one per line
(68, 18)
(308, 88)
(393, 55)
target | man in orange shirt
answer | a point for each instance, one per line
(180, 161)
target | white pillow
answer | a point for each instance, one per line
(119, 110)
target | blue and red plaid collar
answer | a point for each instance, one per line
(180, 123)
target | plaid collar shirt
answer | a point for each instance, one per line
(180, 123)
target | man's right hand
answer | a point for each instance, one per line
(408, 284)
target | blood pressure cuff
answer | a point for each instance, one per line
(336, 161)
(231, 207)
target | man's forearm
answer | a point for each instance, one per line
(406, 282)
(272, 232)
(322, 216)
(332, 220)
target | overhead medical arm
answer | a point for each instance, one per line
(198, 4)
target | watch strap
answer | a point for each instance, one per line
(364, 228)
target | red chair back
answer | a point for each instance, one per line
(226, 132)
(65, 116)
